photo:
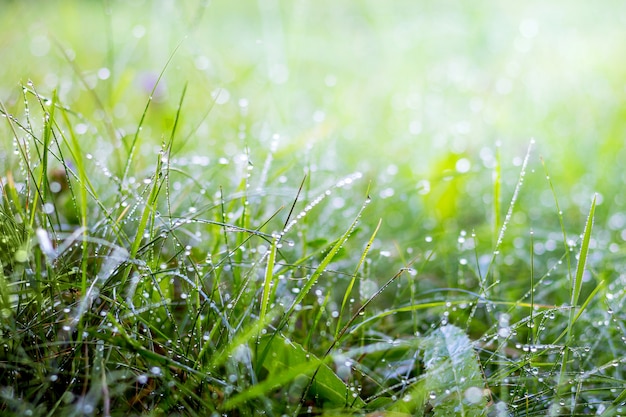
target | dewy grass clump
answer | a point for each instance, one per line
(134, 300)
(166, 255)
(151, 292)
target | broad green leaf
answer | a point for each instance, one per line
(453, 383)
(285, 355)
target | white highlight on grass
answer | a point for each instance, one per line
(423, 187)
(473, 395)
(104, 73)
(39, 46)
(139, 31)
(415, 127)
(529, 28)
(81, 128)
(45, 244)
(367, 289)
(387, 192)
(330, 80)
(463, 165)
(48, 208)
(202, 62)
(278, 73)
(504, 329)
(518, 186)
(343, 367)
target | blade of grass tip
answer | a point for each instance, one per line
(133, 145)
(150, 207)
(561, 222)
(497, 193)
(163, 175)
(507, 219)
(170, 142)
(293, 206)
(169, 151)
(346, 296)
(10, 193)
(576, 286)
(194, 130)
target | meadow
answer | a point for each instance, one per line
(312, 208)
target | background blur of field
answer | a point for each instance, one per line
(413, 94)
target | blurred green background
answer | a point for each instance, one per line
(416, 95)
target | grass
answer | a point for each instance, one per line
(204, 214)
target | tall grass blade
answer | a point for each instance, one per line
(575, 289)
(134, 142)
(497, 194)
(268, 280)
(354, 276)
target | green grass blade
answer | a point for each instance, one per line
(267, 282)
(576, 286)
(497, 195)
(354, 276)
(582, 255)
(616, 407)
(134, 142)
(582, 309)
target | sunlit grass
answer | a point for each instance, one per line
(204, 214)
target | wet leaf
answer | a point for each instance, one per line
(327, 386)
(453, 383)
